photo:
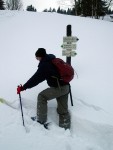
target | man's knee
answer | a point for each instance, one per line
(41, 98)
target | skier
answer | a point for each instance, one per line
(57, 89)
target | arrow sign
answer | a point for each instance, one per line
(71, 39)
(68, 53)
(69, 46)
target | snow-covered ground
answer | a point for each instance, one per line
(21, 34)
(107, 18)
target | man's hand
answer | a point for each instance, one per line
(19, 89)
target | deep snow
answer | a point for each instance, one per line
(21, 34)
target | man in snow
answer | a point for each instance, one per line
(57, 89)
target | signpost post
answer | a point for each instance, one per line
(69, 47)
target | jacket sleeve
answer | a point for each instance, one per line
(37, 78)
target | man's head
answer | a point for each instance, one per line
(41, 52)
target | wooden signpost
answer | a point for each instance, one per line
(69, 47)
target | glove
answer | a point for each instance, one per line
(19, 89)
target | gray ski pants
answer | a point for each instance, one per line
(61, 95)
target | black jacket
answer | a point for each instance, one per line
(46, 71)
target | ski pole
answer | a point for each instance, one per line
(21, 109)
(70, 95)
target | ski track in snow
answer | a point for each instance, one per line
(81, 128)
(97, 108)
(93, 107)
(82, 131)
(94, 133)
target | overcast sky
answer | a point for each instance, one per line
(40, 5)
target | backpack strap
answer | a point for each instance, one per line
(57, 82)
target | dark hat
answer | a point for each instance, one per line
(41, 52)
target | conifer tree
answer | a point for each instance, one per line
(94, 8)
(31, 8)
(2, 5)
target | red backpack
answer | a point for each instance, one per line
(65, 70)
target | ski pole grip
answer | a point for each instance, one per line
(19, 89)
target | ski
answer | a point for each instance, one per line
(7, 103)
(45, 125)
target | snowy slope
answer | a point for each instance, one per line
(21, 34)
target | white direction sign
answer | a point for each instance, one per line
(69, 46)
(68, 53)
(71, 39)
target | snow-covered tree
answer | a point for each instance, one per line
(14, 4)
